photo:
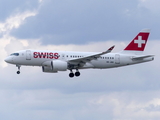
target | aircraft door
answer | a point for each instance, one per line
(117, 59)
(28, 55)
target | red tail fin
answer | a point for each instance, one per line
(139, 42)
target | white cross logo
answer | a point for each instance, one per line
(140, 41)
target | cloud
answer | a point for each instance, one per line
(15, 21)
(79, 22)
(11, 23)
(49, 104)
(8, 7)
(151, 5)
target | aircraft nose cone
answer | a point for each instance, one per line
(8, 60)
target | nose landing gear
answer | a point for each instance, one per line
(18, 72)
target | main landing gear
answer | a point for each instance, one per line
(71, 74)
(18, 72)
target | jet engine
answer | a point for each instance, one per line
(54, 66)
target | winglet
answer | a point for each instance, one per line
(109, 50)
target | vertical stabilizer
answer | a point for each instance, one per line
(139, 42)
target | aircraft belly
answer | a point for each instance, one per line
(37, 62)
(32, 62)
(88, 65)
(102, 64)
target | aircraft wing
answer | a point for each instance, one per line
(90, 57)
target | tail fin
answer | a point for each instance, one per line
(139, 42)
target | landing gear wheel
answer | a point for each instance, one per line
(77, 74)
(71, 75)
(18, 72)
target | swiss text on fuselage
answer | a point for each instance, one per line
(49, 55)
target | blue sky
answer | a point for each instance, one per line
(130, 92)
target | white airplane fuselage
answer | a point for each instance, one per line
(110, 60)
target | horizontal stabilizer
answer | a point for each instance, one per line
(141, 57)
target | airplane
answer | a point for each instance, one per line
(54, 61)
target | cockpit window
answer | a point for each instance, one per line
(15, 54)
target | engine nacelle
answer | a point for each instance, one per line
(48, 69)
(59, 65)
(54, 66)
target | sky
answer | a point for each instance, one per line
(126, 93)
